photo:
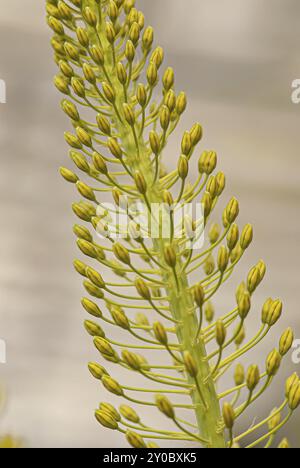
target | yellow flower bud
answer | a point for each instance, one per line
(85, 191)
(82, 233)
(121, 73)
(129, 51)
(190, 364)
(80, 267)
(140, 182)
(56, 25)
(221, 182)
(239, 375)
(115, 148)
(112, 385)
(129, 114)
(196, 134)
(103, 346)
(209, 265)
(134, 33)
(286, 341)
(78, 86)
(93, 290)
(232, 210)
(284, 444)
(103, 124)
(135, 440)
(170, 256)
(165, 406)
(160, 333)
(290, 382)
(168, 79)
(274, 313)
(143, 289)
(80, 161)
(70, 109)
(181, 103)
(244, 304)
(273, 363)
(148, 37)
(131, 360)
(83, 211)
(99, 163)
(87, 248)
(91, 307)
(120, 318)
(66, 69)
(253, 279)
(129, 413)
(199, 295)
(170, 100)
(113, 11)
(110, 32)
(228, 415)
(96, 370)
(207, 162)
(183, 167)
(186, 144)
(223, 259)
(89, 16)
(206, 204)
(72, 51)
(246, 237)
(95, 277)
(93, 329)
(253, 377)
(294, 397)
(84, 137)
(154, 142)
(97, 55)
(152, 75)
(68, 175)
(82, 37)
(211, 187)
(214, 233)
(233, 237)
(220, 333)
(110, 409)
(61, 84)
(209, 312)
(275, 421)
(106, 420)
(240, 336)
(109, 92)
(165, 118)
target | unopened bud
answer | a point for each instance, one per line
(244, 304)
(112, 385)
(183, 167)
(239, 375)
(246, 237)
(68, 175)
(91, 307)
(253, 377)
(129, 413)
(165, 406)
(220, 333)
(286, 342)
(140, 182)
(228, 415)
(135, 440)
(223, 259)
(253, 279)
(170, 256)
(233, 237)
(275, 420)
(190, 364)
(106, 419)
(273, 363)
(96, 370)
(294, 397)
(85, 191)
(199, 295)
(93, 329)
(209, 312)
(160, 333)
(143, 289)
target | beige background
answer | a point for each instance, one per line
(237, 61)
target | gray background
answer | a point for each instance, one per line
(236, 60)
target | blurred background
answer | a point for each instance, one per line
(236, 60)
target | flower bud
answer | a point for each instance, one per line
(273, 314)
(72, 51)
(95, 277)
(131, 360)
(121, 253)
(129, 413)
(78, 86)
(160, 333)
(228, 415)
(290, 382)
(152, 75)
(246, 237)
(129, 51)
(181, 103)
(199, 295)
(147, 40)
(110, 409)
(66, 70)
(93, 290)
(115, 148)
(253, 279)
(87, 248)
(233, 237)
(286, 342)
(273, 363)
(110, 32)
(206, 204)
(186, 144)
(89, 16)
(103, 124)
(164, 118)
(232, 210)
(183, 167)
(207, 162)
(56, 25)
(103, 346)
(134, 33)
(82, 233)
(80, 161)
(221, 182)
(97, 55)
(253, 377)
(96, 370)
(82, 37)
(112, 385)
(120, 318)
(240, 336)
(168, 79)
(294, 397)
(70, 109)
(93, 329)
(209, 312)
(140, 182)
(129, 114)
(196, 134)
(135, 440)
(109, 92)
(275, 420)
(85, 191)
(239, 375)
(190, 364)
(143, 289)
(244, 304)
(170, 100)
(106, 420)
(91, 307)
(170, 256)
(89, 73)
(220, 333)
(223, 259)
(284, 444)
(165, 406)
(214, 233)
(68, 175)
(99, 163)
